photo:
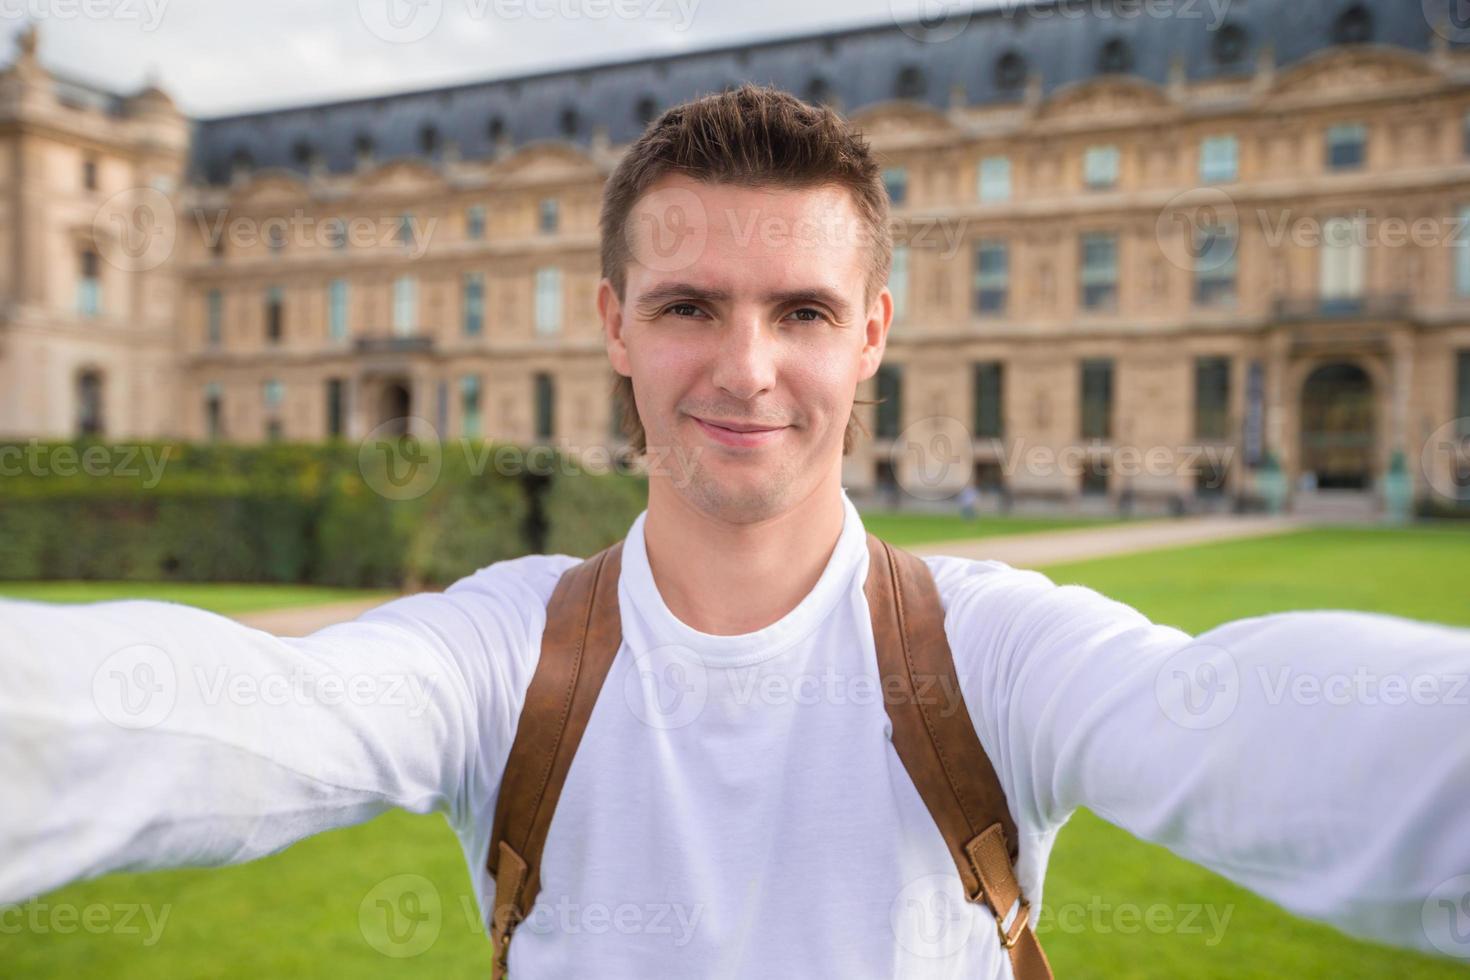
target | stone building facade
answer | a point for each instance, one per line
(1139, 256)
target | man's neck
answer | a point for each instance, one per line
(727, 579)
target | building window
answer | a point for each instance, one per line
(989, 387)
(1462, 253)
(1218, 159)
(337, 234)
(1211, 397)
(428, 141)
(896, 182)
(273, 430)
(1353, 26)
(1099, 270)
(1010, 71)
(1097, 399)
(89, 403)
(272, 393)
(992, 276)
(1462, 391)
(89, 284)
(469, 405)
(1346, 146)
(898, 281)
(548, 215)
(405, 230)
(363, 148)
(1100, 167)
(909, 83)
(336, 406)
(405, 305)
(545, 405)
(548, 300)
(214, 410)
(1229, 45)
(275, 238)
(1342, 264)
(1214, 265)
(994, 179)
(1094, 476)
(1115, 57)
(890, 401)
(275, 313)
(337, 309)
(474, 222)
(474, 304)
(214, 317)
(89, 173)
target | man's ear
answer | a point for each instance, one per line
(875, 334)
(610, 309)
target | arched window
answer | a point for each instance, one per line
(495, 129)
(429, 140)
(571, 121)
(303, 154)
(910, 83)
(819, 91)
(1230, 44)
(363, 146)
(1010, 71)
(241, 163)
(646, 110)
(1115, 57)
(1353, 26)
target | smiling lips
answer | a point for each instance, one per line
(739, 434)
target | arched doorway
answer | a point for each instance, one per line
(1337, 424)
(393, 407)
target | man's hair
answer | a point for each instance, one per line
(751, 136)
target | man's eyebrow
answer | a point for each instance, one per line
(668, 292)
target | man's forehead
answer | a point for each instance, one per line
(728, 241)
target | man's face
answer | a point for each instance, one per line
(744, 311)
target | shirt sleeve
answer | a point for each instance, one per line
(1319, 758)
(143, 734)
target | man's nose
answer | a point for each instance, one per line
(745, 358)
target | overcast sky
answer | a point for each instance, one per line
(223, 56)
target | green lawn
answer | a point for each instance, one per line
(297, 913)
(220, 597)
(908, 529)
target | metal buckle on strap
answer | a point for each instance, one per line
(1023, 918)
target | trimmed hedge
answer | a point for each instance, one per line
(291, 512)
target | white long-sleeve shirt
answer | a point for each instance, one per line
(736, 807)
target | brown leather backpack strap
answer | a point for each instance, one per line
(936, 741)
(582, 636)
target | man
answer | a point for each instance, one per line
(738, 772)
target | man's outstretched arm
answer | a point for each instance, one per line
(1320, 759)
(142, 734)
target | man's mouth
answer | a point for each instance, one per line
(733, 432)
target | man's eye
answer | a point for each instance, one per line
(816, 314)
(681, 309)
